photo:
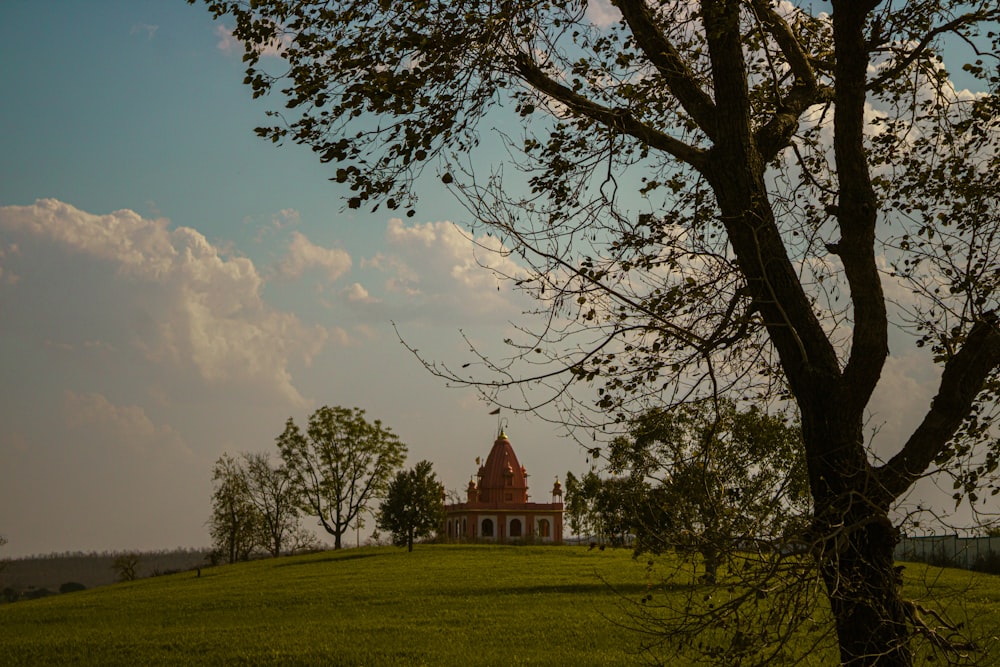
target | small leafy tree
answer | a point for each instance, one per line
(71, 587)
(604, 507)
(236, 523)
(271, 491)
(413, 506)
(577, 506)
(340, 464)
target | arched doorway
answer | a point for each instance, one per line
(515, 528)
(544, 529)
(486, 530)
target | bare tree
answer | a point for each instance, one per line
(272, 492)
(126, 566)
(723, 196)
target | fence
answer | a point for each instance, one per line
(959, 551)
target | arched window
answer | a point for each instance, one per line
(543, 528)
(487, 528)
(515, 528)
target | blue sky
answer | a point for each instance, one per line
(182, 287)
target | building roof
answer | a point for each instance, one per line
(502, 479)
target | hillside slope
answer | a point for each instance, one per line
(440, 605)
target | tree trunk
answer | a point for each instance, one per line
(854, 540)
(864, 589)
(711, 557)
(409, 541)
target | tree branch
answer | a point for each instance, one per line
(619, 119)
(962, 380)
(950, 26)
(668, 62)
(857, 210)
(806, 91)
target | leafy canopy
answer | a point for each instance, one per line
(414, 505)
(340, 464)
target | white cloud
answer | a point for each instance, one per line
(356, 293)
(303, 255)
(602, 13)
(439, 275)
(229, 45)
(150, 30)
(167, 293)
(285, 217)
(445, 249)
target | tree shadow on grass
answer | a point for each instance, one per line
(637, 588)
(335, 558)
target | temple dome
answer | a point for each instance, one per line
(502, 479)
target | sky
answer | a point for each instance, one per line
(173, 288)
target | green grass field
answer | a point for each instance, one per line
(440, 605)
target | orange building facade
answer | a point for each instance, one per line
(497, 507)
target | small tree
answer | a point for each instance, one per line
(578, 502)
(413, 506)
(340, 464)
(235, 523)
(275, 499)
(126, 566)
(604, 507)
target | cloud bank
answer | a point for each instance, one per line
(140, 284)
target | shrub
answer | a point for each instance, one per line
(72, 587)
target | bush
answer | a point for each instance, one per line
(72, 587)
(36, 593)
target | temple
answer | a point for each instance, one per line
(497, 507)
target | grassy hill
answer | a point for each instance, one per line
(440, 605)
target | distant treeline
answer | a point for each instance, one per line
(36, 576)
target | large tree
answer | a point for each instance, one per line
(340, 464)
(723, 481)
(727, 195)
(413, 506)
